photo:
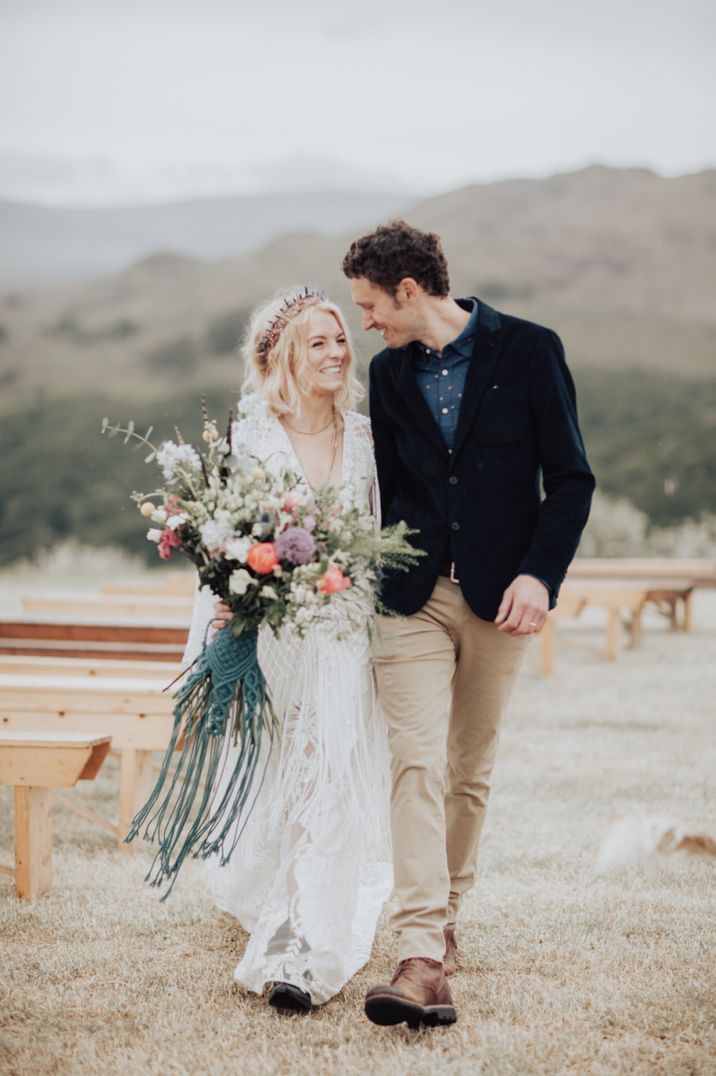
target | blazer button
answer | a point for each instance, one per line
(452, 480)
(455, 526)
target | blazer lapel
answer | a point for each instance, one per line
(485, 354)
(415, 402)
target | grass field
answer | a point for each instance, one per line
(565, 970)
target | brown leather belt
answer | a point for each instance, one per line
(447, 570)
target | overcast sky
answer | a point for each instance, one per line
(126, 100)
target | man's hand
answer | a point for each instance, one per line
(524, 606)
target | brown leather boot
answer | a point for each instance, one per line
(451, 962)
(418, 995)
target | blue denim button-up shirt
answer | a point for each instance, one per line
(441, 377)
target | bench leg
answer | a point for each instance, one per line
(635, 633)
(549, 647)
(135, 783)
(614, 627)
(689, 612)
(673, 614)
(33, 842)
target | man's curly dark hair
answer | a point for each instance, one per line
(395, 251)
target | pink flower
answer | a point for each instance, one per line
(333, 580)
(168, 542)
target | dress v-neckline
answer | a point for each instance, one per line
(299, 466)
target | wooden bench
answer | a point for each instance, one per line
(122, 638)
(623, 600)
(110, 607)
(670, 582)
(23, 664)
(180, 585)
(135, 713)
(701, 571)
(35, 763)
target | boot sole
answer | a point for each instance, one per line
(388, 1011)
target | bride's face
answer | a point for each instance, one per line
(327, 353)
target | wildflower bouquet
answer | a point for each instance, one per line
(277, 555)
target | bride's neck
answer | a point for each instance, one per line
(315, 412)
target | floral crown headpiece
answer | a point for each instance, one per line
(290, 309)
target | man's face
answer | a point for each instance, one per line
(395, 320)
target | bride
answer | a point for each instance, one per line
(311, 871)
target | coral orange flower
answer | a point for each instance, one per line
(333, 580)
(262, 557)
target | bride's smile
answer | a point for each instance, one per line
(326, 352)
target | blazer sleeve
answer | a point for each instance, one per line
(566, 476)
(384, 444)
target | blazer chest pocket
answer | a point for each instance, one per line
(503, 417)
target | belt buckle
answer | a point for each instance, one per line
(453, 577)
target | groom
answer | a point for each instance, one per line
(469, 408)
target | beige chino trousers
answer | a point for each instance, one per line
(444, 678)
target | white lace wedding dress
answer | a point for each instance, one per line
(311, 870)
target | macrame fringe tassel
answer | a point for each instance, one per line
(194, 808)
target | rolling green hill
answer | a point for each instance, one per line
(620, 263)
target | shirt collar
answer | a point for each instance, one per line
(463, 342)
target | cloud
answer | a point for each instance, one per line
(39, 176)
(306, 171)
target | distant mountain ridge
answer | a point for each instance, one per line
(620, 262)
(44, 245)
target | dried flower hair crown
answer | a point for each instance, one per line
(290, 309)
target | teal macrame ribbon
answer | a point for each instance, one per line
(224, 695)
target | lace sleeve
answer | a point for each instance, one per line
(250, 429)
(201, 616)
(364, 435)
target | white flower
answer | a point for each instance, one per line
(214, 534)
(268, 592)
(175, 521)
(240, 581)
(171, 456)
(238, 549)
(153, 534)
(160, 516)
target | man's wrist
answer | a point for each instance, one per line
(544, 583)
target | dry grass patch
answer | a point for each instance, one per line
(566, 971)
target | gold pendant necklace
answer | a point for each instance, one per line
(312, 433)
(334, 449)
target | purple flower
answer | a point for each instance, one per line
(295, 545)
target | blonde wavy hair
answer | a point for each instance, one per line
(282, 375)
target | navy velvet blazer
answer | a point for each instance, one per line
(482, 504)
